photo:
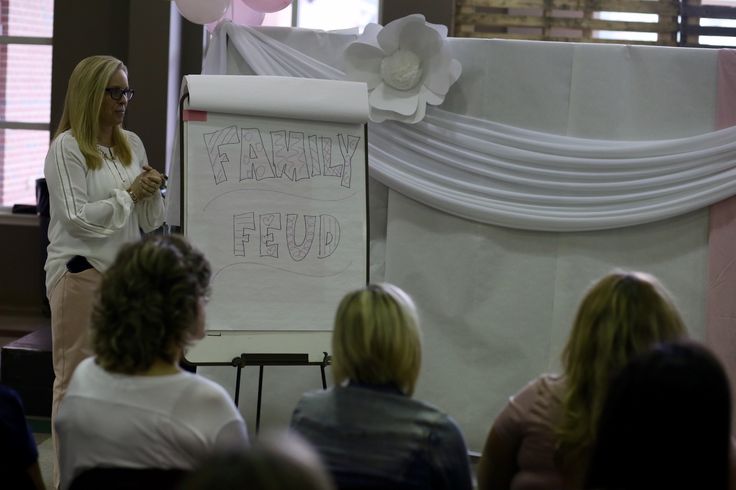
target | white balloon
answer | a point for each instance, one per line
(267, 5)
(202, 11)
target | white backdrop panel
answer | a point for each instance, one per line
(497, 304)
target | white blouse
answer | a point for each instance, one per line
(92, 214)
(127, 421)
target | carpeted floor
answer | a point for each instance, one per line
(45, 456)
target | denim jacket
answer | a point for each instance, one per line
(377, 437)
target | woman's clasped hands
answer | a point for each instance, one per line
(147, 182)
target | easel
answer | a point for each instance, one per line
(283, 359)
(262, 360)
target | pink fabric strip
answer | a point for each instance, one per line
(191, 115)
(720, 332)
(726, 95)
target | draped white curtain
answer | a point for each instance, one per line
(503, 175)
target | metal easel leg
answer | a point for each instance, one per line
(239, 363)
(260, 391)
(325, 362)
(237, 384)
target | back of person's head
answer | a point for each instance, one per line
(150, 304)
(277, 463)
(666, 424)
(84, 95)
(376, 339)
(622, 315)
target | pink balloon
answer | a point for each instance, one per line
(202, 12)
(240, 15)
(267, 5)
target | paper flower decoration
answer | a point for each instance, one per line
(406, 65)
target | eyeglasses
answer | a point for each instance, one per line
(116, 93)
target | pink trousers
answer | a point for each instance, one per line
(71, 306)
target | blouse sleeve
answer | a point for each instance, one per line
(151, 212)
(232, 437)
(66, 176)
(208, 408)
(498, 464)
(511, 422)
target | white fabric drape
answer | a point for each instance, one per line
(503, 175)
(496, 303)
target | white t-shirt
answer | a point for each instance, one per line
(91, 213)
(123, 421)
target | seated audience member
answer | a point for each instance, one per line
(368, 430)
(542, 437)
(131, 406)
(18, 455)
(281, 463)
(666, 424)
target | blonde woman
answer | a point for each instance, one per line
(131, 406)
(542, 438)
(102, 193)
(368, 430)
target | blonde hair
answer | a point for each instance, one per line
(622, 315)
(82, 104)
(377, 339)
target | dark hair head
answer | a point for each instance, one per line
(666, 423)
(149, 303)
(285, 462)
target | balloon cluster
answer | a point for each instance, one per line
(241, 12)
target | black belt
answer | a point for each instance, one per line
(78, 263)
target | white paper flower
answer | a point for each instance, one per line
(406, 65)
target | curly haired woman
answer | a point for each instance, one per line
(131, 406)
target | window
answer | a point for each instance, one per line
(723, 38)
(26, 28)
(625, 36)
(710, 23)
